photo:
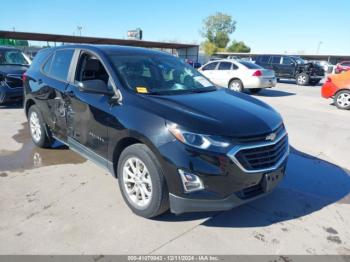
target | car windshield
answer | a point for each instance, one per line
(159, 74)
(13, 57)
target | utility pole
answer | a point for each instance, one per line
(79, 27)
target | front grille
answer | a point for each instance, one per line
(261, 137)
(263, 157)
(14, 81)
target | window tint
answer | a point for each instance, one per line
(287, 61)
(250, 65)
(210, 66)
(225, 66)
(60, 64)
(234, 67)
(264, 59)
(275, 60)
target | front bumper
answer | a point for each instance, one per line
(8, 94)
(267, 183)
(226, 183)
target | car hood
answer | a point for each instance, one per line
(12, 69)
(222, 112)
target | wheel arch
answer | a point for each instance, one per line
(28, 104)
(235, 78)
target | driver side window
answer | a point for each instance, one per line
(91, 68)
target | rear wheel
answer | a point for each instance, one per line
(342, 99)
(41, 136)
(254, 90)
(302, 79)
(141, 181)
(236, 85)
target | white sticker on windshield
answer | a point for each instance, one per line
(204, 82)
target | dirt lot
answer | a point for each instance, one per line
(55, 202)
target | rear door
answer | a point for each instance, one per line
(223, 74)
(275, 65)
(49, 91)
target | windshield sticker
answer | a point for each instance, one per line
(141, 90)
(204, 82)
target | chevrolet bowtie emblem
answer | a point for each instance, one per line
(271, 137)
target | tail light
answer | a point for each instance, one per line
(257, 73)
(24, 77)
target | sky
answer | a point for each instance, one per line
(291, 26)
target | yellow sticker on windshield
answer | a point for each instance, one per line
(142, 90)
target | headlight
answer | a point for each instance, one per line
(196, 140)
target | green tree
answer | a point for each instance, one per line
(238, 47)
(221, 40)
(209, 47)
(217, 28)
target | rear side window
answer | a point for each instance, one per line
(59, 66)
(210, 66)
(275, 60)
(47, 65)
(264, 59)
(225, 66)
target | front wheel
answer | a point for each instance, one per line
(141, 181)
(41, 136)
(302, 79)
(342, 100)
(236, 85)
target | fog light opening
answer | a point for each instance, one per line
(190, 181)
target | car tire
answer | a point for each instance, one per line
(39, 132)
(236, 85)
(302, 79)
(254, 90)
(141, 181)
(342, 99)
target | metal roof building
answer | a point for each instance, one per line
(189, 51)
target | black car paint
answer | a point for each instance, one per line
(291, 71)
(99, 126)
(11, 87)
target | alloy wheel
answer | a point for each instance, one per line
(35, 127)
(343, 100)
(137, 182)
(302, 79)
(235, 86)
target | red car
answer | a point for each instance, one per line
(342, 66)
(338, 88)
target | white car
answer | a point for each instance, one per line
(239, 75)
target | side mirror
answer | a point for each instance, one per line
(96, 86)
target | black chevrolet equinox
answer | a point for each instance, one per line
(172, 138)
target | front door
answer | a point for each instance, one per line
(88, 114)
